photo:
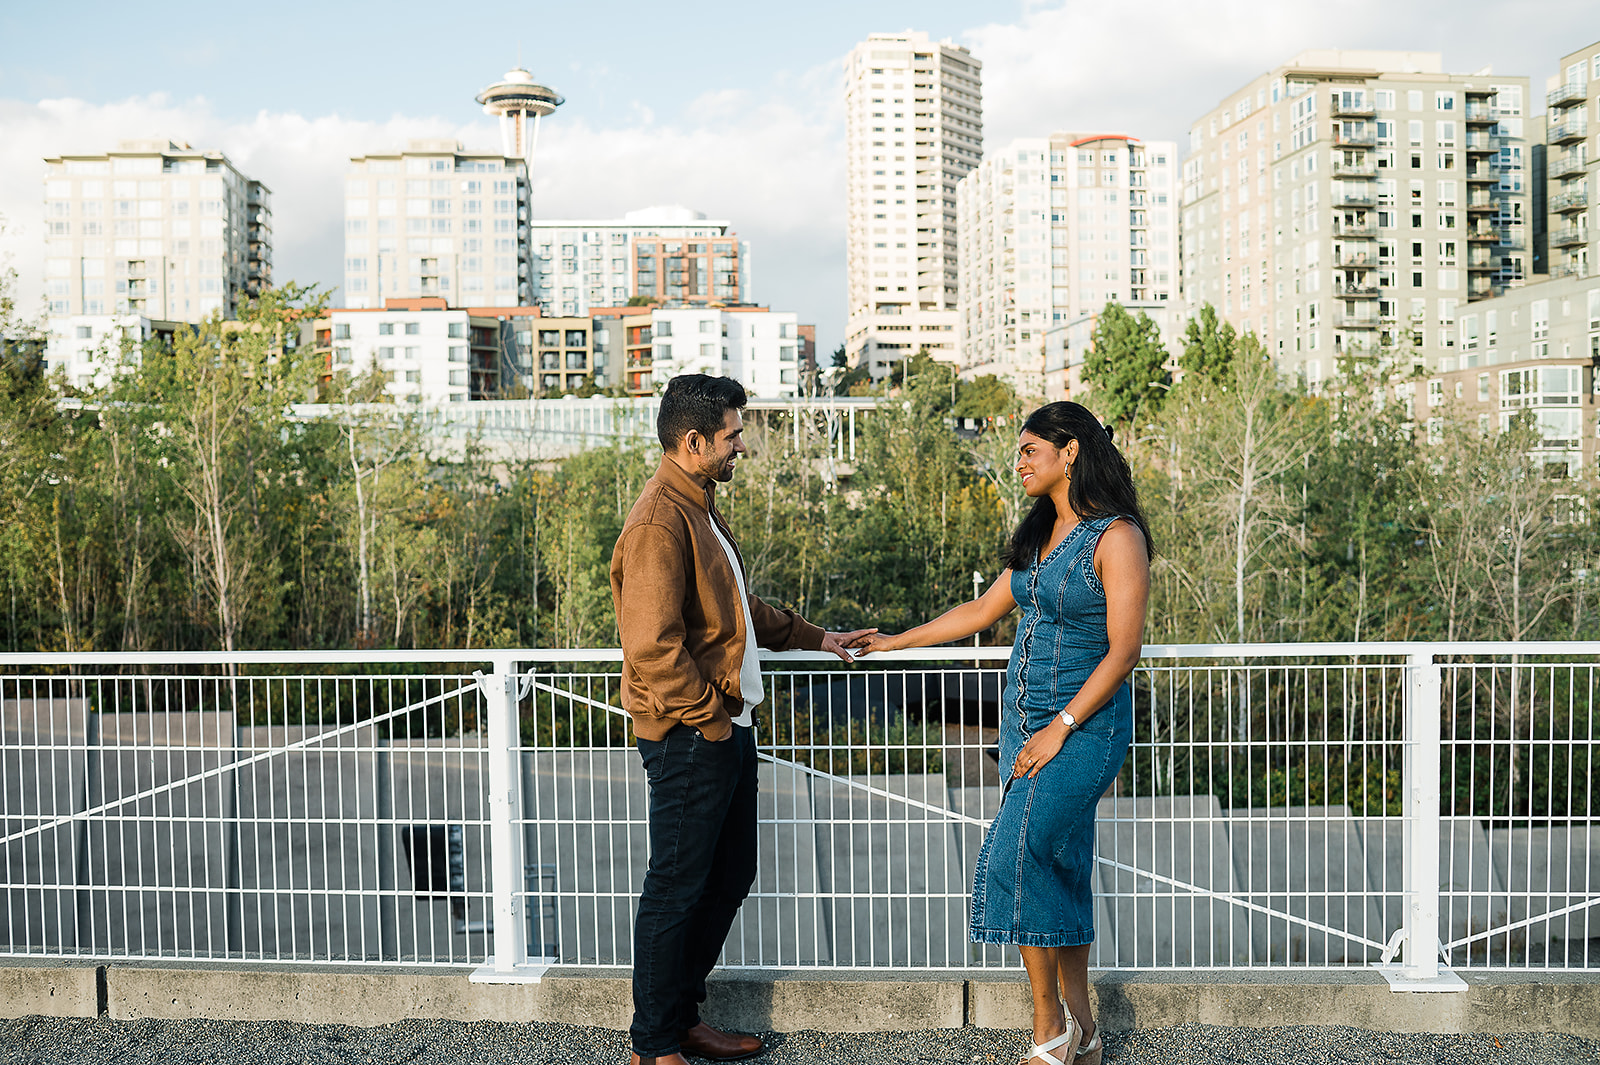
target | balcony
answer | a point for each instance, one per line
(1356, 199)
(1479, 205)
(1482, 234)
(1479, 141)
(1575, 269)
(1350, 259)
(1480, 175)
(1479, 115)
(1564, 95)
(1574, 200)
(1573, 129)
(1352, 109)
(1477, 262)
(1355, 231)
(1356, 321)
(1566, 166)
(1355, 170)
(1355, 292)
(1567, 236)
(1480, 288)
(1354, 138)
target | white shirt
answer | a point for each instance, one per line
(750, 670)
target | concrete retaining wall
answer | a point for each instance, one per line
(818, 1000)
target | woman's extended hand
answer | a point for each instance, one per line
(1040, 748)
(878, 641)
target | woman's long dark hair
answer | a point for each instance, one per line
(1101, 485)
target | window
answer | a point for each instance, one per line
(457, 330)
(1483, 388)
(413, 328)
(1444, 101)
(386, 329)
(341, 331)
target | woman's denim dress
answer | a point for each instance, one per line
(1032, 883)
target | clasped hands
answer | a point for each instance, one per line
(1041, 747)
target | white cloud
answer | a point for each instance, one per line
(1151, 69)
(773, 168)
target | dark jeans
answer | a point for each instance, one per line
(702, 863)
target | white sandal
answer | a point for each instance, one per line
(1042, 1050)
(1092, 1051)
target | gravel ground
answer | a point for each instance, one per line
(47, 1041)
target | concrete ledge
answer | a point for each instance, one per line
(841, 1000)
(1535, 1002)
(825, 1000)
(834, 1000)
(53, 990)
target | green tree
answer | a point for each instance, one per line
(1210, 347)
(216, 404)
(1126, 366)
(1239, 456)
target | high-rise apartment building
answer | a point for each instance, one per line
(154, 229)
(668, 254)
(435, 220)
(1572, 163)
(1052, 229)
(913, 129)
(1354, 202)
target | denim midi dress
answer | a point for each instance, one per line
(1032, 882)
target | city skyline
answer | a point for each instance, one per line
(759, 143)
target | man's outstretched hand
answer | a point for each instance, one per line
(840, 643)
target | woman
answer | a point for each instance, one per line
(1079, 564)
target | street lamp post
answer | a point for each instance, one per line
(977, 590)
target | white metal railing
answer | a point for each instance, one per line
(1287, 805)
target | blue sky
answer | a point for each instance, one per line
(733, 110)
(374, 60)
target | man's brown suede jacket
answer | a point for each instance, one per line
(678, 612)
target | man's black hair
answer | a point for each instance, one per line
(696, 401)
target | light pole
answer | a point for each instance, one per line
(977, 590)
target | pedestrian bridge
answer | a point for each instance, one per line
(550, 429)
(1426, 809)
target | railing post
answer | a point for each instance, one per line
(508, 964)
(1424, 713)
(1422, 825)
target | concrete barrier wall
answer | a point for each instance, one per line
(819, 1000)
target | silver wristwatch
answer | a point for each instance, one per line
(1071, 722)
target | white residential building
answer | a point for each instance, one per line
(913, 128)
(670, 254)
(1050, 230)
(155, 229)
(1354, 202)
(436, 220)
(757, 347)
(1572, 164)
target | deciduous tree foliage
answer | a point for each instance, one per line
(1126, 367)
(181, 507)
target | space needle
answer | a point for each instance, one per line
(520, 102)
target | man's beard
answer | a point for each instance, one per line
(718, 470)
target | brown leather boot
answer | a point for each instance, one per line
(704, 1041)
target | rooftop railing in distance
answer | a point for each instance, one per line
(1283, 806)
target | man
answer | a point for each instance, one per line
(690, 678)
